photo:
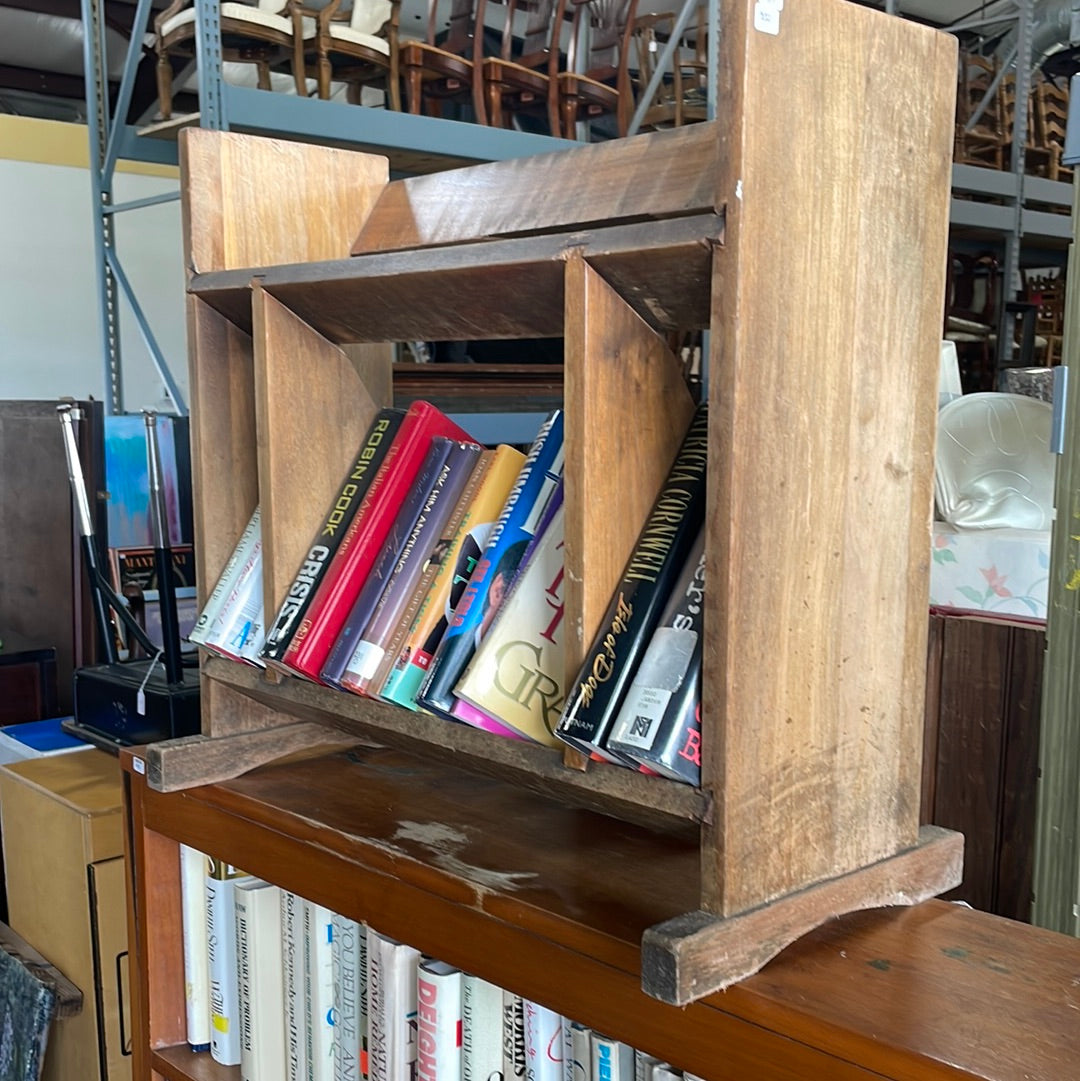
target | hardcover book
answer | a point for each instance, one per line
(392, 972)
(453, 575)
(438, 1035)
(319, 991)
(595, 695)
(221, 955)
(581, 1052)
(490, 580)
(513, 1037)
(659, 723)
(349, 955)
(194, 867)
(517, 675)
(612, 1060)
(239, 617)
(293, 976)
(481, 1030)
(327, 539)
(547, 1044)
(431, 469)
(396, 648)
(258, 948)
(239, 559)
(362, 542)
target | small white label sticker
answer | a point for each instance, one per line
(139, 765)
(767, 17)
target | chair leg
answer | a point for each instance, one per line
(299, 67)
(413, 89)
(323, 74)
(569, 118)
(494, 105)
(393, 82)
(164, 87)
(263, 68)
(478, 103)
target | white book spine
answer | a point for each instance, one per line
(319, 991)
(258, 951)
(611, 1059)
(221, 952)
(664, 1071)
(392, 969)
(580, 1052)
(193, 868)
(240, 554)
(240, 618)
(545, 1041)
(292, 961)
(643, 1065)
(350, 999)
(481, 1030)
(438, 1033)
(513, 1038)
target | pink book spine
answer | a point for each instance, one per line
(478, 719)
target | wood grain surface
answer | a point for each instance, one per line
(827, 309)
(622, 179)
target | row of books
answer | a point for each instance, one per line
(290, 991)
(435, 583)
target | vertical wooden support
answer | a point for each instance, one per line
(827, 313)
(826, 322)
(627, 410)
(311, 419)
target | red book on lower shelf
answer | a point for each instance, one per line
(362, 542)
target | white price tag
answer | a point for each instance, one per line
(138, 765)
(767, 16)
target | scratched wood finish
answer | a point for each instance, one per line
(627, 410)
(503, 288)
(313, 410)
(240, 690)
(669, 174)
(249, 201)
(698, 953)
(823, 375)
(547, 902)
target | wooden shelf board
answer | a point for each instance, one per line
(505, 288)
(490, 388)
(183, 1064)
(604, 787)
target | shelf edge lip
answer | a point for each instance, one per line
(625, 238)
(678, 804)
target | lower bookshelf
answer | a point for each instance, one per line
(551, 902)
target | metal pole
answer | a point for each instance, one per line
(212, 113)
(97, 109)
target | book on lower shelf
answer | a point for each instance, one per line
(221, 879)
(349, 959)
(481, 1029)
(548, 1049)
(392, 972)
(438, 1034)
(294, 1019)
(319, 991)
(259, 969)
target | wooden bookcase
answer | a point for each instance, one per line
(807, 231)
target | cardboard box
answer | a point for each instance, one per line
(62, 821)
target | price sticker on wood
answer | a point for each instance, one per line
(767, 16)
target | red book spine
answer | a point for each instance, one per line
(360, 546)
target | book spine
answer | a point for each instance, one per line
(258, 941)
(328, 538)
(492, 575)
(359, 548)
(581, 1052)
(611, 1059)
(545, 1040)
(454, 574)
(481, 1030)
(643, 1065)
(292, 961)
(392, 973)
(193, 871)
(382, 570)
(438, 1033)
(658, 723)
(513, 1037)
(223, 628)
(430, 526)
(400, 645)
(319, 992)
(658, 557)
(350, 999)
(221, 955)
(240, 554)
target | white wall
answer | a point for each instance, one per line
(50, 337)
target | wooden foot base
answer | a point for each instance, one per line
(691, 956)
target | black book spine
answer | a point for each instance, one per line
(346, 503)
(661, 551)
(382, 570)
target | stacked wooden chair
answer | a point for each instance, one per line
(681, 95)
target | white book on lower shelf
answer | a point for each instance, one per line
(293, 972)
(221, 951)
(319, 991)
(392, 970)
(481, 1030)
(194, 866)
(349, 953)
(438, 1037)
(259, 970)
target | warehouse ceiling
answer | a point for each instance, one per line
(41, 51)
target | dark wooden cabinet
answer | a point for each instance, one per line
(981, 753)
